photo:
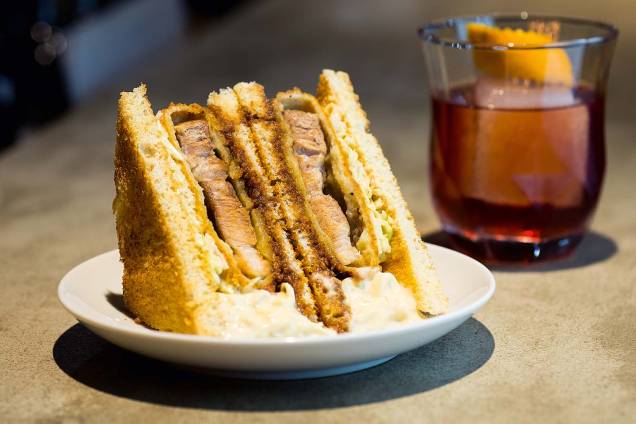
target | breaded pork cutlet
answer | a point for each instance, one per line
(323, 175)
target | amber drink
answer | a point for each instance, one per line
(517, 147)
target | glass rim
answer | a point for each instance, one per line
(427, 32)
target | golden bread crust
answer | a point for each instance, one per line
(155, 265)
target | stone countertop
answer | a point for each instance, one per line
(556, 343)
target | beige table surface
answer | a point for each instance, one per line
(555, 344)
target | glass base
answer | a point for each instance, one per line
(512, 251)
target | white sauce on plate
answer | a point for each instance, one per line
(262, 314)
(376, 299)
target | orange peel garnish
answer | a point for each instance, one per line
(547, 66)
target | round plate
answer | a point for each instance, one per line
(92, 293)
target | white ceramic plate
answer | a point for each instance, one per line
(92, 293)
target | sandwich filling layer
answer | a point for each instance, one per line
(252, 131)
(407, 257)
(310, 151)
(239, 142)
(374, 241)
(231, 219)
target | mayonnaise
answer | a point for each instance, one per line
(376, 299)
(262, 314)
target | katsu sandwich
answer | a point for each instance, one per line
(264, 216)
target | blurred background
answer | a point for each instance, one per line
(58, 55)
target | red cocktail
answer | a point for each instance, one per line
(515, 171)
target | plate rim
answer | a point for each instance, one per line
(103, 322)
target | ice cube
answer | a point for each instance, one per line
(493, 93)
(526, 150)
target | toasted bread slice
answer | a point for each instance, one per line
(176, 114)
(388, 219)
(172, 257)
(239, 140)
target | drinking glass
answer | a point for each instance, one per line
(517, 140)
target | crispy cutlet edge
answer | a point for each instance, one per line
(295, 99)
(171, 263)
(273, 139)
(183, 112)
(236, 131)
(409, 260)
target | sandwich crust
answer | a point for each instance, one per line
(168, 248)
